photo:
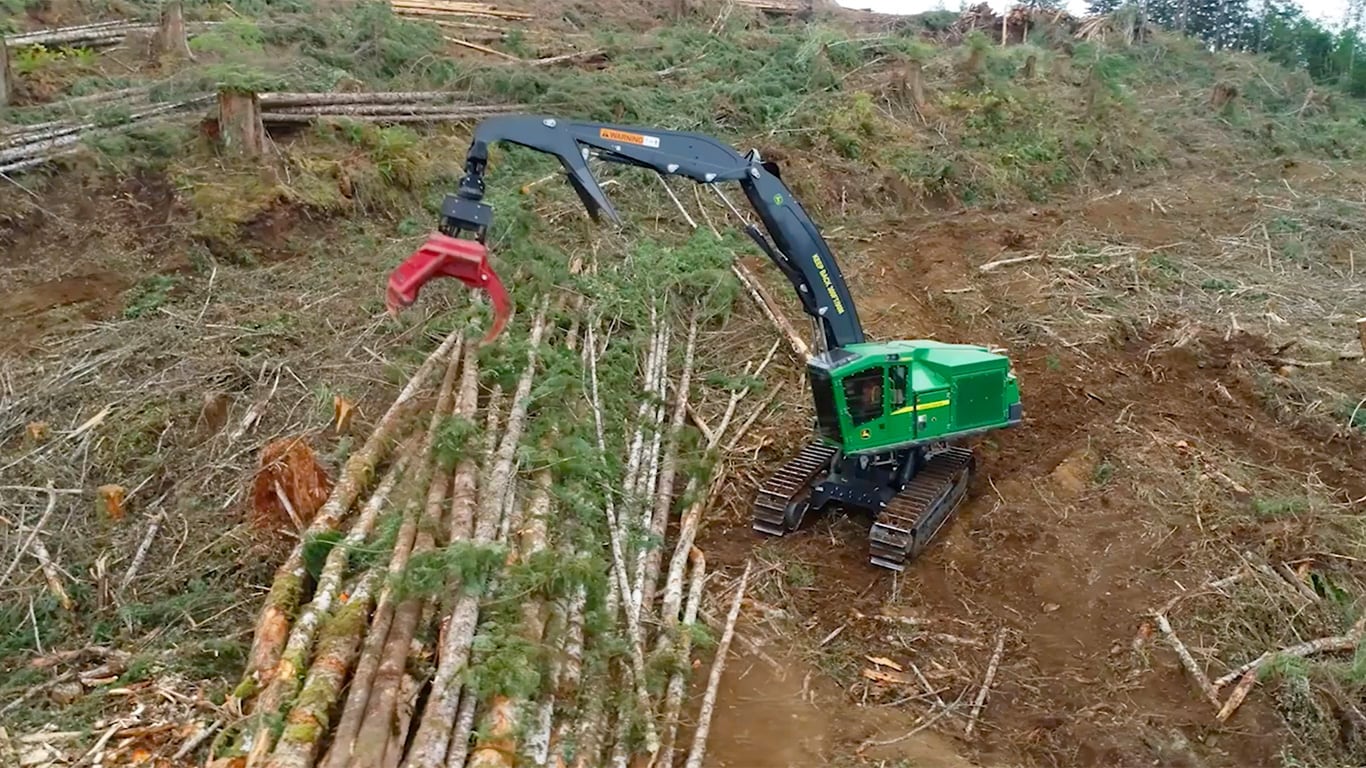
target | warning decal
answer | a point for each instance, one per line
(629, 138)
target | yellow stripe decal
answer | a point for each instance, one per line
(922, 406)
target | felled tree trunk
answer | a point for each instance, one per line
(171, 39)
(240, 129)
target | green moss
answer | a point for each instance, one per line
(337, 638)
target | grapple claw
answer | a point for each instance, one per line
(445, 256)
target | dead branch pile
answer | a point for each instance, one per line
(1127, 27)
(382, 107)
(1021, 21)
(98, 35)
(1284, 583)
(1014, 27)
(29, 146)
(447, 564)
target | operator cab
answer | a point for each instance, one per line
(873, 397)
(819, 373)
(852, 404)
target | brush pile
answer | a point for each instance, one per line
(1021, 22)
(381, 107)
(1018, 22)
(1127, 26)
(479, 589)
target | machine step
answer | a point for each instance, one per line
(911, 520)
(778, 503)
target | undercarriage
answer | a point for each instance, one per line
(910, 493)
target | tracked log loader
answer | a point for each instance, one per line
(890, 416)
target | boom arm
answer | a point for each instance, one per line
(796, 248)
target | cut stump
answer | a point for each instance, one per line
(1222, 94)
(240, 130)
(171, 38)
(6, 79)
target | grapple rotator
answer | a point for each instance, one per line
(449, 253)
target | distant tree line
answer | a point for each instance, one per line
(1276, 28)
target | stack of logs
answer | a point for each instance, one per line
(169, 37)
(439, 8)
(778, 7)
(372, 674)
(243, 115)
(28, 146)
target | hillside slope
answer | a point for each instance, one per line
(1164, 240)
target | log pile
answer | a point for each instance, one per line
(469, 25)
(777, 7)
(97, 35)
(28, 146)
(443, 8)
(282, 108)
(449, 564)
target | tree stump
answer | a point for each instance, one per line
(1222, 94)
(973, 66)
(1091, 89)
(6, 80)
(915, 83)
(1027, 71)
(171, 38)
(240, 130)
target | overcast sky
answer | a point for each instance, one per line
(1329, 11)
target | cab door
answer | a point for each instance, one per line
(900, 424)
(865, 398)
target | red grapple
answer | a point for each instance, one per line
(446, 256)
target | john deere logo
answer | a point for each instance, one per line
(865, 434)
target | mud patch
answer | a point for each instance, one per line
(32, 311)
(762, 720)
(767, 720)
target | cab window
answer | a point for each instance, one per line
(863, 396)
(898, 376)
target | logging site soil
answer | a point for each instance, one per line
(248, 518)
